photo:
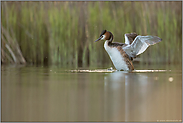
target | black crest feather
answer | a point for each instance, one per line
(103, 32)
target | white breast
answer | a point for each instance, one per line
(116, 57)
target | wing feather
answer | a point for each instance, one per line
(129, 37)
(140, 44)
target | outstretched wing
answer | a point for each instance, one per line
(129, 37)
(140, 44)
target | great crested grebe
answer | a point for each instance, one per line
(122, 54)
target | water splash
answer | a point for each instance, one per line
(110, 70)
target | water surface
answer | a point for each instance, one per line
(32, 93)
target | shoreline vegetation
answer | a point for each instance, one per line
(64, 32)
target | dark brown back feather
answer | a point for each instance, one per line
(115, 44)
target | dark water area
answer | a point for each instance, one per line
(30, 93)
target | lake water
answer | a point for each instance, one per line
(31, 93)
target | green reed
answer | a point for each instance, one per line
(58, 32)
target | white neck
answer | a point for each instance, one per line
(106, 46)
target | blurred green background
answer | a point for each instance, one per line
(63, 33)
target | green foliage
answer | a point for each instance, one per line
(52, 30)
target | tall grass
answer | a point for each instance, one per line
(64, 32)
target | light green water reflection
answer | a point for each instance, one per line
(54, 94)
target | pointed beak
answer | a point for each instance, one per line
(98, 39)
